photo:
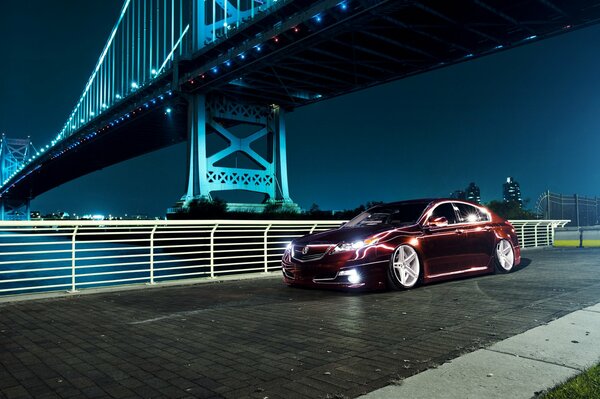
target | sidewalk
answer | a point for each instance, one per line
(518, 367)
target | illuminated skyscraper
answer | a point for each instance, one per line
(472, 193)
(512, 191)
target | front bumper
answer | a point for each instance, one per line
(335, 274)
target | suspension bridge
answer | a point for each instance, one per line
(229, 70)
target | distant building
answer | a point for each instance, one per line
(458, 194)
(472, 193)
(512, 191)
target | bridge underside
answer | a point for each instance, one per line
(131, 138)
(302, 52)
(317, 56)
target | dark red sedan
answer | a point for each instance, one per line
(402, 244)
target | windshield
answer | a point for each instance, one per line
(396, 215)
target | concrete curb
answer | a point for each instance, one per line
(518, 367)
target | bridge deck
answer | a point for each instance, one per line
(258, 338)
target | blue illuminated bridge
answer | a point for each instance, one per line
(205, 70)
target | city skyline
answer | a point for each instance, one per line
(480, 121)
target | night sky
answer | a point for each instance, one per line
(530, 112)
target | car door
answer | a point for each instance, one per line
(442, 246)
(479, 238)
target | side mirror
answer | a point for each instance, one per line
(439, 221)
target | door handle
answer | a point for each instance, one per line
(459, 231)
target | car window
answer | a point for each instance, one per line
(401, 214)
(446, 210)
(470, 214)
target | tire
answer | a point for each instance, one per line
(504, 257)
(404, 270)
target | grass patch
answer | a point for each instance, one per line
(585, 385)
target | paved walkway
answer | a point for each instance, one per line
(519, 367)
(258, 338)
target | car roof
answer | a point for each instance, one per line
(413, 201)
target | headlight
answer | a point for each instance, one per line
(352, 246)
(288, 247)
(347, 246)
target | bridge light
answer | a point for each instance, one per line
(498, 47)
(296, 29)
(318, 18)
(276, 39)
(215, 70)
(118, 96)
(258, 48)
(153, 71)
(243, 56)
(228, 63)
(343, 5)
(134, 85)
(168, 110)
(103, 105)
(82, 120)
(531, 37)
(92, 113)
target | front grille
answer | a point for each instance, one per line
(313, 252)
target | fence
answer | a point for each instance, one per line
(70, 255)
(537, 233)
(582, 211)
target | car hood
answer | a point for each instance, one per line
(348, 234)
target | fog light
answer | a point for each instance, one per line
(353, 276)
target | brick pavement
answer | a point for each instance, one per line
(258, 338)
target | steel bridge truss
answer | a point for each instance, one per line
(218, 171)
(13, 154)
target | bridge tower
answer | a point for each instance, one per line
(13, 153)
(262, 126)
(214, 114)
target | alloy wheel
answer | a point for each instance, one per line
(505, 255)
(406, 266)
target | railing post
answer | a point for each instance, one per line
(73, 259)
(313, 228)
(152, 254)
(266, 247)
(212, 251)
(535, 236)
(523, 234)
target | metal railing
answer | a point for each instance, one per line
(70, 255)
(536, 233)
(59, 255)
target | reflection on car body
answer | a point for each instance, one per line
(402, 244)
